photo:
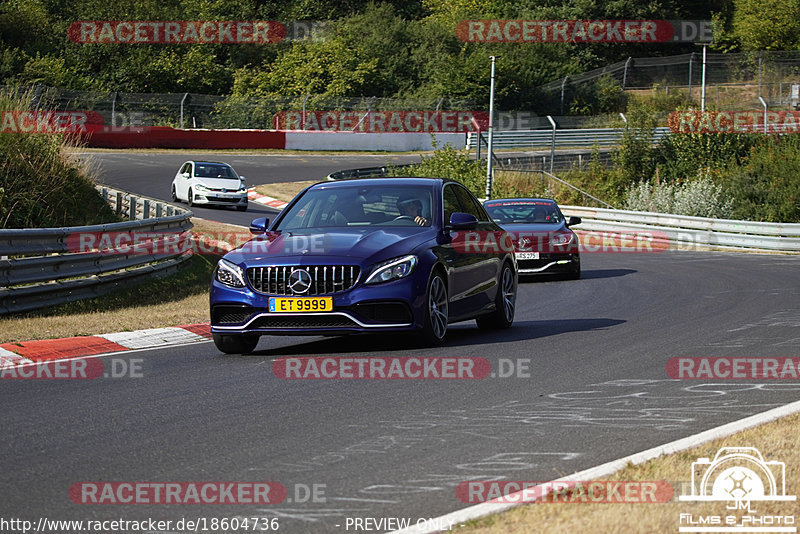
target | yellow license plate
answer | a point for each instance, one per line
(300, 304)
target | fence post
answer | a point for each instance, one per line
(625, 73)
(552, 143)
(182, 101)
(114, 109)
(760, 58)
(691, 58)
(563, 86)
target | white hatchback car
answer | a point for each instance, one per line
(209, 182)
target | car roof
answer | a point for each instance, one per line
(548, 200)
(209, 162)
(416, 180)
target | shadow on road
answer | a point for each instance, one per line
(459, 335)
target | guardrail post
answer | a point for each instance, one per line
(145, 209)
(132, 208)
(159, 210)
(118, 206)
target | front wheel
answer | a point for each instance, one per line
(241, 208)
(436, 311)
(235, 344)
(190, 198)
(174, 195)
(505, 302)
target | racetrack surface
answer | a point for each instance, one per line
(152, 173)
(597, 391)
(597, 388)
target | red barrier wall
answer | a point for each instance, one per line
(166, 137)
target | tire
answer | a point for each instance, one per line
(505, 302)
(434, 327)
(241, 208)
(174, 195)
(190, 198)
(575, 272)
(235, 344)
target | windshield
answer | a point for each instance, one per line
(353, 206)
(529, 211)
(214, 170)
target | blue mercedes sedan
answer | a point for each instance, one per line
(366, 255)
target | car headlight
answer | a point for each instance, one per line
(201, 187)
(393, 269)
(242, 188)
(559, 240)
(229, 274)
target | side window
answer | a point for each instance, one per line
(470, 205)
(450, 201)
(186, 168)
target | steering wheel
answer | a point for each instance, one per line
(399, 217)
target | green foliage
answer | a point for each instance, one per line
(636, 157)
(767, 186)
(767, 24)
(448, 162)
(684, 155)
(40, 185)
(699, 197)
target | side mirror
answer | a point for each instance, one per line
(242, 178)
(259, 226)
(463, 221)
(185, 175)
(573, 220)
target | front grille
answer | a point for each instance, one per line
(325, 279)
(223, 199)
(303, 321)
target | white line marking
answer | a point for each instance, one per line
(489, 508)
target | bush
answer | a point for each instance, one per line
(40, 184)
(699, 197)
(767, 186)
(448, 162)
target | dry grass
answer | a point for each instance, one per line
(181, 298)
(285, 191)
(778, 440)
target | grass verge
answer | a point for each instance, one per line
(778, 440)
(180, 298)
(285, 191)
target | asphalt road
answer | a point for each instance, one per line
(595, 389)
(152, 173)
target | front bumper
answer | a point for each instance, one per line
(548, 263)
(219, 199)
(380, 308)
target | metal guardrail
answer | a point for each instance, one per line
(46, 270)
(692, 232)
(689, 232)
(549, 138)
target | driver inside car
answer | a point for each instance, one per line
(412, 208)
